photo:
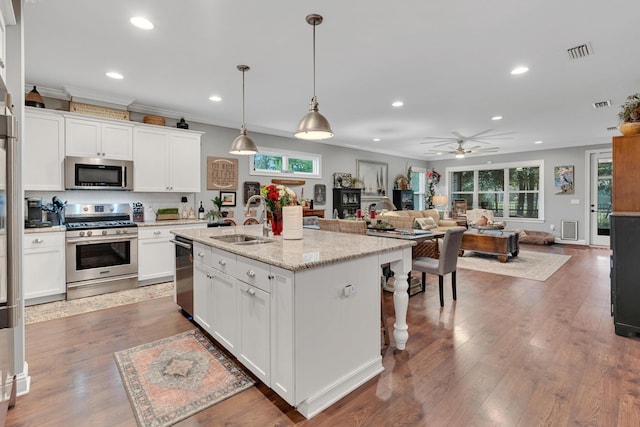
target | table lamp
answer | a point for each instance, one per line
(442, 201)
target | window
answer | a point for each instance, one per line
(509, 190)
(274, 162)
(418, 185)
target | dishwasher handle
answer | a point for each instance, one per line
(181, 244)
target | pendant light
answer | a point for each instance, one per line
(314, 125)
(243, 144)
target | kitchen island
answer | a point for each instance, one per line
(302, 315)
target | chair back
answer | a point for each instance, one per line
(351, 226)
(448, 260)
(328, 224)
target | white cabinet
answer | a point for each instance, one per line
(254, 324)
(95, 138)
(166, 160)
(43, 150)
(43, 271)
(202, 295)
(156, 253)
(7, 17)
(224, 306)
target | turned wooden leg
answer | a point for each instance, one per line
(441, 287)
(453, 285)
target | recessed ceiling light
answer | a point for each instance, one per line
(376, 139)
(141, 22)
(519, 70)
(537, 142)
(215, 98)
(496, 118)
(114, 75)
(397, 104)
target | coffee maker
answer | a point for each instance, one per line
(33, 214)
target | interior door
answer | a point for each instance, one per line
(600, 197)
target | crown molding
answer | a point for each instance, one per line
(47, 92)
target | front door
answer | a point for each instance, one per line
(600, 197)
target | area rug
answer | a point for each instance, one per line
(528, 264)
(173, 378)
(59, 309)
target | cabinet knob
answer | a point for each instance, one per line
(157, 232)
(271, 277)
(201, 254)
(209, 276)
(222, 262)
(38, 240)
(251, 273)
(251, 292)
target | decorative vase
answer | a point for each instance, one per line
(276, 222)
(630, 128)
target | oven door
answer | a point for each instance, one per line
(101, 257)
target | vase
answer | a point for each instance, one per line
(276, 223)
(630, 128)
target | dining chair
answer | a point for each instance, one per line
(446, 263)
(351, 226)
(328, 224)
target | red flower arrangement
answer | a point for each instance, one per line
(275, 197)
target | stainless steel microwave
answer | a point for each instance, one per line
(89, 173)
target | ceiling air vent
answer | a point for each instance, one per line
(602, 104)
(580, 51)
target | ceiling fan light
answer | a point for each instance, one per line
(314, 126)
(243, 145)
(460, 156)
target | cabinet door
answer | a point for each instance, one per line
(43, 252)
(150, 172)
(3, 52)
(43, 152)
(184, 155)
(82, 138)
(225, 310)
(202, 295)
(155, 259)
(254, 325)
(117, 141)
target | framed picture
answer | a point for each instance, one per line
(563, 179)
(373, 177)
(228, 198)
(319, 194)
(251, 188)
(341, 180)
(459, 208)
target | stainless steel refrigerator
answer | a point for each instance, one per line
(9, 287)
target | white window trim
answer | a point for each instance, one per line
(316, 158)
(510, 165)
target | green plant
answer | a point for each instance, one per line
(215, 213)
(630, 111)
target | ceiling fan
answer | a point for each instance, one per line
(459, 151)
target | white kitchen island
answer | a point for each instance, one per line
(302, 315)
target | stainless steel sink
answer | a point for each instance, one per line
(242, 239)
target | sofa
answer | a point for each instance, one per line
(410, 219)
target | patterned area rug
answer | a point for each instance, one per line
(59, 309)
(528, 264)
(173, 378)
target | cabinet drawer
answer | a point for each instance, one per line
(154, 233)
(42, 240)
(221, 260)
(254, 273)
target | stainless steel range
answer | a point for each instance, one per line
(101, 249)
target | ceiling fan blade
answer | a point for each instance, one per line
(469, 138)
(437, 140)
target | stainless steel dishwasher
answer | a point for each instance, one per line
(184, 274)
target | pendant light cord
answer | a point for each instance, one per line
(243, 98)
(314, 60)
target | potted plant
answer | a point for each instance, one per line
(214, 214)
(629, 115)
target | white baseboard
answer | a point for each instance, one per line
(23, 381)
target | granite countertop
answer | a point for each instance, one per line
(54, 228)
(171, 222)
(315, 249)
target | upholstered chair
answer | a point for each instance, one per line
(446, 263)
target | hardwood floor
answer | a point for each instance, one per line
(509, 352)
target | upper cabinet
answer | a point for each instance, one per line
(94, 138)
(7, 17)
(166, 160)
(43, 150)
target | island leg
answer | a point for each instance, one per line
(401, 299)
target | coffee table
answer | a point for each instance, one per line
(492, 242)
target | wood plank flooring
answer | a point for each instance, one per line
(509, 352)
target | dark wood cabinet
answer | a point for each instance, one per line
(626, 174)
(403, 199)
(346, 201)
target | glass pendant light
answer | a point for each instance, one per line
(314, 125)
(243, 144)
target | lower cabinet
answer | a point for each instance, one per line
(254, 327)
(43, 267)
(156, 253)
(202, 295)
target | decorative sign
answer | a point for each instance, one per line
(341, 180)
(251, 188)
(99, 111)
(222, 173)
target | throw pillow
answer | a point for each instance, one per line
(426, 223)
(482, 221)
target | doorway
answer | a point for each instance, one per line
(600, 182)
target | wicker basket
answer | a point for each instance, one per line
(166, 217)
(154, 120)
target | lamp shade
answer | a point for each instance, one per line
(385, 203)
(243, 144)
(313, 125)
(440, 200)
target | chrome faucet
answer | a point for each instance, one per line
(263, 217)
(251, 199)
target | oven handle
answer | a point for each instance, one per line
(184, 245)
(99, 240)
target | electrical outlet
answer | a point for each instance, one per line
(552, 227)
(575, 201)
